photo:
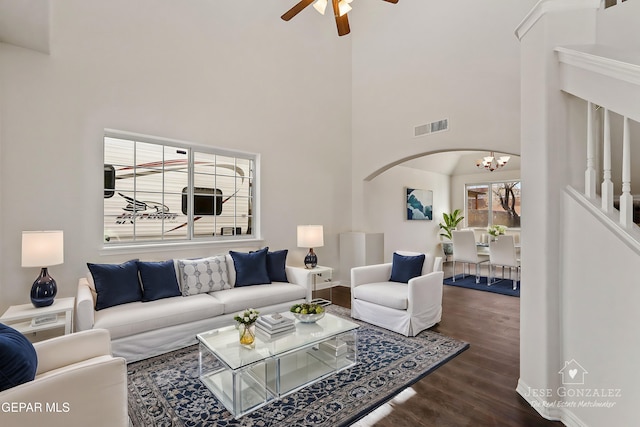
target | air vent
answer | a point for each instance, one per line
(433, 127)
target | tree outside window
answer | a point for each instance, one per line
(496, 203)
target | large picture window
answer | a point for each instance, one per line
(157, 191)
(495, 203)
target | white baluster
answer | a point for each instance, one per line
(626, 199)
(607, 184)
(590, 173)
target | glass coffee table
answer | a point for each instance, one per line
(245, 379)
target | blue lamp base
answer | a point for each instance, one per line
(44, 289)
(311, 260)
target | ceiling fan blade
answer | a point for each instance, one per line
(342, 22)
(391, 1)
(296, 9)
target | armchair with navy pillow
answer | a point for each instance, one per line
(72, 380)
(404, 296)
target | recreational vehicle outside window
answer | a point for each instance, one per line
(159, 191)
(495, 203)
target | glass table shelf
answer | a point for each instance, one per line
(245, 379)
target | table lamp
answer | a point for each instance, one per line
(310, 236)
(42, 249)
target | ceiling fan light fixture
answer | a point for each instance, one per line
(340, 10)
(343, 8)
(320, 6)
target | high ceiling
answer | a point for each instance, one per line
(456, 162)
(25, 23)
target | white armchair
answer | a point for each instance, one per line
(406, 308)
(77, 383)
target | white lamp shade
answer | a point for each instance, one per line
(42, 248)
(310, 236)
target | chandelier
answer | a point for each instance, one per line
(492, 163)
(340, 10)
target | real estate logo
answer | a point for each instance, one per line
(572, 393)
(572, 373)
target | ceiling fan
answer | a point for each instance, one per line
(340, 10)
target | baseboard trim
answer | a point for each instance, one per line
(564, 415)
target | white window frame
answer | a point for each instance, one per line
(190, 239)
(490, 209)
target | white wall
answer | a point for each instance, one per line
(617, 26)
(580, 307)
(544, 175)
(227, 74)
(386, 207)
(418, 62)
(600, 316)
(597, 281)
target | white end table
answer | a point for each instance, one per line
(27, 319)
(325, 273)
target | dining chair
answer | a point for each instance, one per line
(466, 252)
(502, 252)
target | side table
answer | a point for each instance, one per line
(28, 319)
(325, 273)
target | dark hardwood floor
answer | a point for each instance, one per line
(477, 388)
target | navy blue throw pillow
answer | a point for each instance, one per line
(405, 268)
(18, 358)
(116, 283)
(158, 280)
(251, 268)
(276, 262)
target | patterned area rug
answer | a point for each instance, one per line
(166, 390)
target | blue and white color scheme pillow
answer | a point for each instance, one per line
(115, 283)
(158, 280)
(405, 268)
(203, 275)
(251, 268)
(18, 358)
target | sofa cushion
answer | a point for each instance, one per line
(238, 299)
(158, 280)
(387, 294)
(276, 264)
(203, 275)
(251, 268)
(115, 283)
(138, 317)
(405, 268)
(18, 358)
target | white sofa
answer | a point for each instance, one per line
(77, 383)
(406, 308)
(140, 330)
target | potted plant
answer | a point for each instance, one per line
(449, 224)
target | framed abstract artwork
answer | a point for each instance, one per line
(419, 204)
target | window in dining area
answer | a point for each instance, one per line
(494, 203)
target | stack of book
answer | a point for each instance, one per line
(274, 325)
(334, 347)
